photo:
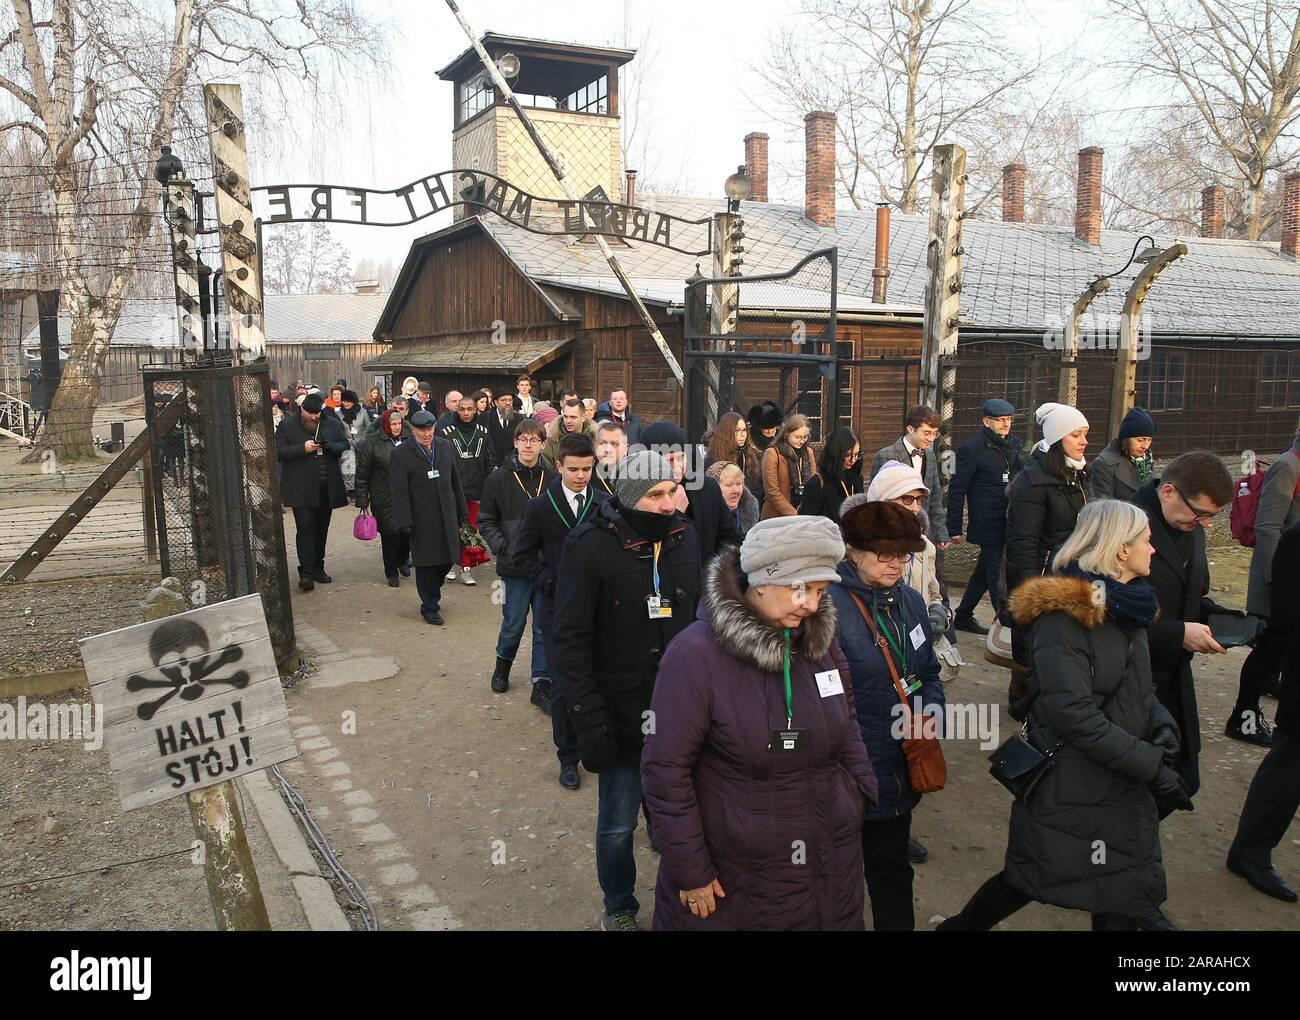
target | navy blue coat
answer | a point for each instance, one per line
(874, 694)
(979, 486)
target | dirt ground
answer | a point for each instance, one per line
(59, 814)
(443, 797)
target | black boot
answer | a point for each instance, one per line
(501, 678)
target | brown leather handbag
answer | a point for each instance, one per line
(926, 768)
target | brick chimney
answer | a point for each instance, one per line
(1291, 214)
(1013, 193)
(756, 160)
(1213, 203)
(819, 168)
(1087, 196)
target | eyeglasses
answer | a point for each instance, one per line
(910, 500)
(1201, 515)
(532, 440)
(890, 557)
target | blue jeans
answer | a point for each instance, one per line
(520, 597)
(619, 806)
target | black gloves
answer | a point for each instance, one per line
(1166, 738)
(596, 748)
(1169, 790)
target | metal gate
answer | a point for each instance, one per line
(747, 339)
(216, 495)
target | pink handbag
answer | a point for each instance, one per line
(364, 527)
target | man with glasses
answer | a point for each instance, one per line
(1194, 489)
(986, 464)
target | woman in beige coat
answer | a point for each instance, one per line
(787, 466)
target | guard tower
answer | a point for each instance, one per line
(571, 93)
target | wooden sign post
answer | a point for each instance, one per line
(192, 700)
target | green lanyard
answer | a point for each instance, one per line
(900, 649)
(560, 514)
(789, 709)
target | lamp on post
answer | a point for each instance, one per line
(738, 188)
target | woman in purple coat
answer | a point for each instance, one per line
(754, 769)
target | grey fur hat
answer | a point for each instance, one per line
(792, 550)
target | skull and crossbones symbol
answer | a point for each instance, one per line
(179, 648)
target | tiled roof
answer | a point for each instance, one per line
(1016, 276)
(520, 357)
(290, 318)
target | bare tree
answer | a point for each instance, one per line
(640, 143)
(305, 258)
(1236, 64)
(902, 76)
(102, 85)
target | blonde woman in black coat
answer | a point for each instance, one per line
(1086, 836)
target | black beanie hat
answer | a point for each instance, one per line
(312, 403)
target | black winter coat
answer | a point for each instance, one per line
(506, 494)
(300, 471)
(474, 458)
(1095, 799)
(715, 524)
(824, 494)
(1040, 516)
(543, 532)
(501, 437)
(986, 464)
(433, 508)
(607, 649)
(1286, 615)
(1183, 593)
(374, 458)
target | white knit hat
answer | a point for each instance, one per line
(1058, 421)
(894, 479)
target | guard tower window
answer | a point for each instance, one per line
(476, 95)
(591, 98)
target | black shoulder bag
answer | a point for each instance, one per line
(1017, 764)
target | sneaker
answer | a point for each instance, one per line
(466, 577)
(619, 922)
(570, 778)
(541, 695)
(451, 574)
(501, 676)
(1250, 727)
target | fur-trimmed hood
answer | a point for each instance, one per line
(1056, 593)
(743, 634)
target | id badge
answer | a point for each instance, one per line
(435, 474)
(320, 452)
(1006, 477)
(354, 430)
(788, 742)
(911, 683)
(658, 608)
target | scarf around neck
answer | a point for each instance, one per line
(1132, 605)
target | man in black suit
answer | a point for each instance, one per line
(501, 421)
(1180, 505)
(308, 445)
(565, 503)
(699, 495)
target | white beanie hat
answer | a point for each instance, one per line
(1058, 421)
(792, 550)
(894, 479)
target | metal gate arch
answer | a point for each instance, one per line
(747, 339)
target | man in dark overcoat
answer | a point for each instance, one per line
(308, 446)
(428, 506)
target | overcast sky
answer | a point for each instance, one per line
(703, 102)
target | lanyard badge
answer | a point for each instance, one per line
(657, 607)
(788, 740)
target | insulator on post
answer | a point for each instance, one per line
(958, 252)
(231, 178)
(954, 287)
(237, 226)
(953, 322)
(228, 129)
